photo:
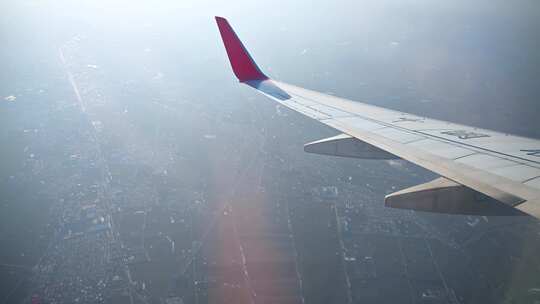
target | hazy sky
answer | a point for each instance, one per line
(469, 62)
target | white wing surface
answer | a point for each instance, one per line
(502, 166)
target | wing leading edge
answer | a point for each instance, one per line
(500, 166)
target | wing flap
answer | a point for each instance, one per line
(443, 149)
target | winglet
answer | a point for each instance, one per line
(242, 64)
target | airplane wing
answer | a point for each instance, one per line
(471, 161)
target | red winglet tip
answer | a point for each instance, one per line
(242, 64)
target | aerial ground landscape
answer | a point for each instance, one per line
(135, 169)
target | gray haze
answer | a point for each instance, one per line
(135, 169)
